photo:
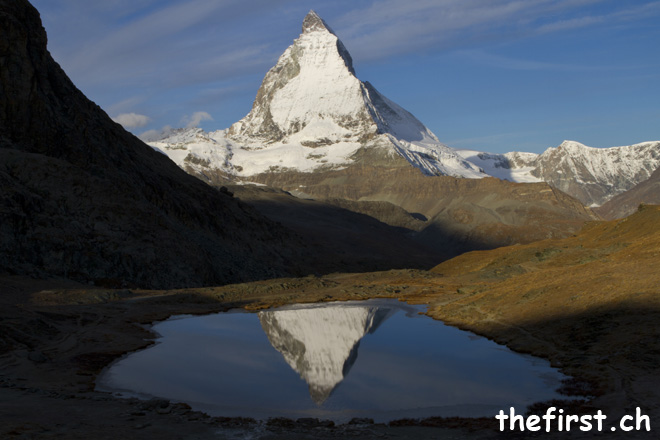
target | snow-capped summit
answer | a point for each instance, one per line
(312, 98)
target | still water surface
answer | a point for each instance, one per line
(377, 358)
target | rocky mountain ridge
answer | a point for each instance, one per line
(82, 198)
(627, 203)
(316, 131)
(456, 215)
(592, 175)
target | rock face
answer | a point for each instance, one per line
(595, 175)
(321, 343)
(82, 198)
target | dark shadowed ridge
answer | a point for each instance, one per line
(82, 198)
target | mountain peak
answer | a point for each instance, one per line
(313, 22)
(311, 101)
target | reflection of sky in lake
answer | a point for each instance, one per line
(410, 366)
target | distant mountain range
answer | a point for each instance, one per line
(591, 175)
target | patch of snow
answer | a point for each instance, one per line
(515, 166)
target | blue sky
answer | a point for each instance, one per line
(491, 75)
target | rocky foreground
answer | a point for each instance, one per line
(588, 303)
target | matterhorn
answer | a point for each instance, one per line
(312, 112)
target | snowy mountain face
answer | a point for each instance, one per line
(320, 342)
(595, 175)
(311, 112)
(592, 175)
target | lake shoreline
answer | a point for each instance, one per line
(73, 331)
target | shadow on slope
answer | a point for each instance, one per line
(463, 214)
(344, 240)
(82, 198)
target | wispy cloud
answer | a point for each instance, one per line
(141, 45)
(132, 120)
(171, 43)
(233, 63)
(510, 63)
(620, 16)
(215, 94)
(165, 43)
(165, 58)
(190, 121)
(388, 27)
(126, 105)
(155, 135)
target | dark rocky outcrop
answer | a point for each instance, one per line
(82, 198)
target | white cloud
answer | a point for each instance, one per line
(195, 119)
(155, 135)
(132, 120)
(188, 121)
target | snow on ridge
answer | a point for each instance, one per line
(634, 162)
(201, 150)
(514, 166)
(196, 149)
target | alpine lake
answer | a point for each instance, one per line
(378, 359)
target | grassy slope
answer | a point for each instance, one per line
(590, 303)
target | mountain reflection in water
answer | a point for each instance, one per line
(321, 343)
(225, 365)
